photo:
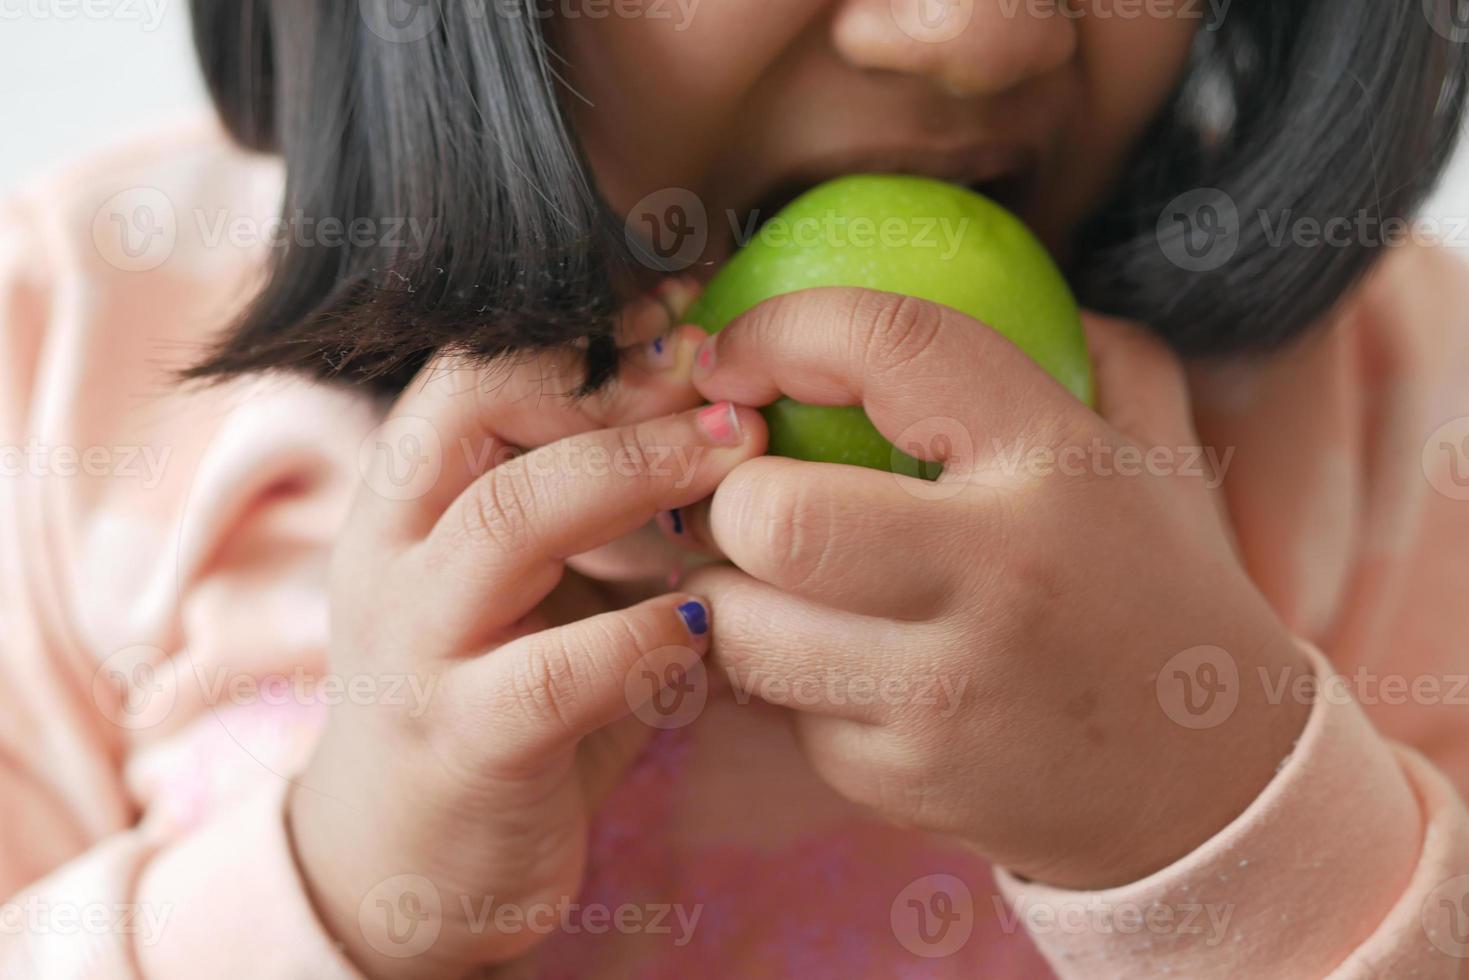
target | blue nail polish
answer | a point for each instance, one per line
(695, 617)
(660, 354)
(676, 517)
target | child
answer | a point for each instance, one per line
(462, 627)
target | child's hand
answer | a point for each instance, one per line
(463, 590)
(980, 656)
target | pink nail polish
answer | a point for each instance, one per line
(721, 424)
(704, 360)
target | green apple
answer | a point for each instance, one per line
(910, 235)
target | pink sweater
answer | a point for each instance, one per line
(162, 557)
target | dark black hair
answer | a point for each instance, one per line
(1292, 110)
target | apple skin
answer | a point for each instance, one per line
(945, 244)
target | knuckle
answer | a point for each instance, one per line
(766, 317)
(786, 539)
(894, 330)
(629, 637)
(1060, 431)
(637, 450)
(500, 507)
(546, 686)
(797, 538)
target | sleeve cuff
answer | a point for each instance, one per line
(1297, 882)
(238, 906)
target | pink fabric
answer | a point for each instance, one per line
(162, 563)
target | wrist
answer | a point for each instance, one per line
(1190, 778)
(390, 926)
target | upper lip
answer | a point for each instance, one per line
(969, 164)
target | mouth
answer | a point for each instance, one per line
(999, 173)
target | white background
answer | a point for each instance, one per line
(81, 74)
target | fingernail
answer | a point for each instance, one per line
(677, 294)
(661, 353)
(704, 359)
(695, 617)
(720, 424)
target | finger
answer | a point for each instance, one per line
(1142, 389)
(845, 537)
(791, 652)
(688, 527)
(459, 418)
(544, 692)
(506, 538)
(928, 377)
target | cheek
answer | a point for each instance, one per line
(661, 96)
(1134, 64)
(1130, 67)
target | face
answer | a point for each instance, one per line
(747, 102)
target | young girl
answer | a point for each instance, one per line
(461, 627)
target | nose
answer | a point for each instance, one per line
(968, 47)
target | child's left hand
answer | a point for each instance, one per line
(981, 656)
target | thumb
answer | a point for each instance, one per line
(549, 691)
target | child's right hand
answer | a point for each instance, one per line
(413, 828)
